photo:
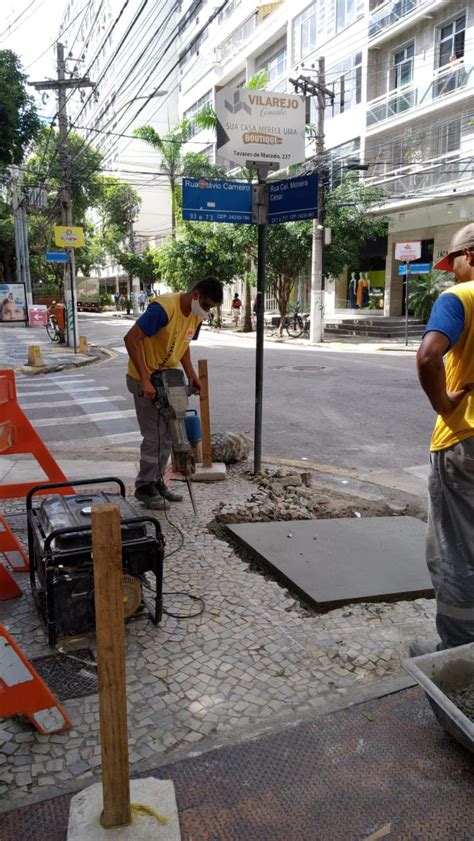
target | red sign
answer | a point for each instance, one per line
(38, 315)
(407, 251)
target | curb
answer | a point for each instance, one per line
(49, 369)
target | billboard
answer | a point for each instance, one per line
(12, 302)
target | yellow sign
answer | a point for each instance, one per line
(68, 237)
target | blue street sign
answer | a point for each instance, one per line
(217, 201)
(415, 268)
(56, 257)
(293, 199)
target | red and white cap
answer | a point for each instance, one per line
(464, 238)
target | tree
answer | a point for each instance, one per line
(145, 266)
(118, 206)
(347, 213)
(19, 120)
(288, 253)
(203, 248)
(7, 244)
(425, 291)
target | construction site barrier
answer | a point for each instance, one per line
(9, 589)
(23, 692)
(17, 435)
(11, 550)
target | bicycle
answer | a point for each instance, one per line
(296, 324)
(53, 330)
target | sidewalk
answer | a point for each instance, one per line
(254, 658)
(15, 341)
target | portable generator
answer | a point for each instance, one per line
(61, 563)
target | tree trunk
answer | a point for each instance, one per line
(247, 325)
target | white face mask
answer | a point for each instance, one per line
(196, 309)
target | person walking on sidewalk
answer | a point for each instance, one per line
(236, 306)
(449, 541)
(160, 339)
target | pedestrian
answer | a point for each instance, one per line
(142, 300)
(117, 301)
(160, 339)
(450, 390)
(236, 306)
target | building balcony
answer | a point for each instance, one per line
(387, 19)
(446, 173)
(446, 85)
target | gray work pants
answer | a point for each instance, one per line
(155, 448)
(450, 541)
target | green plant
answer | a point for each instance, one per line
(424, 292)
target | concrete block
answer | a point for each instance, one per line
(83, 345)
(86, 809)
(34, 356)
(215, 473)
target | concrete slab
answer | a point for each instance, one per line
(215, 473)
(86, 808)
(343, 560)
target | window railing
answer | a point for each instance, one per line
(444, 82)
(388, 14)
(432, 175)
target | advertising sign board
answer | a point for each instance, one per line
(261, 126)
(38, 315)
(12, 302)
(407, 251)
(68, 237)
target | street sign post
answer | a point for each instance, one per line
(56, 257)
(217, 201)
(261, 126)
(293, 199)
(406, 252)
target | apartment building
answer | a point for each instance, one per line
(403, 78)
(126, 48)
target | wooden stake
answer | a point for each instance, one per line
(205, 417)
(110, 634)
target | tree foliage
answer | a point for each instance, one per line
(202, 248)
(288, 254)
(19, 120)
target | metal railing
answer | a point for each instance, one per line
(388, 14)
(444, 81)
(430, 176)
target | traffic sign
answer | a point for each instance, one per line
(293, 199)
(415, 268)
(68, 237)
(261, 126)
(56, 257)
(217, 201)
(407, 251)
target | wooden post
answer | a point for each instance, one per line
(110, 634)
(205, 418)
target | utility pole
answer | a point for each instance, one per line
(134, 281)
(19, 202)
(61, 85)
(318, 88)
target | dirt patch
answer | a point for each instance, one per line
(463, 698)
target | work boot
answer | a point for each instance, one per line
(150, 497)
(419, 647)
(167, 493)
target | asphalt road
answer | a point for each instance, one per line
(341, 408)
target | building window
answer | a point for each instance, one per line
(194, 109)
(446, 138)
(338, 159)
(345, 13)
(345, 80)
(276, 69)
(451, 38)
(402, 66)
(304, 33)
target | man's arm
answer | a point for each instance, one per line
(134, 344)
(190, 372)
(432, 376)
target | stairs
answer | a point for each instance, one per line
(374, 328)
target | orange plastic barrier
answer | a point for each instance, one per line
(9, 589)
(17, 435)
(11, 549)
(22, 692)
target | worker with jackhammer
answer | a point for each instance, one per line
(449, 542)
(160, 339)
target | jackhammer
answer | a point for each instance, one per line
(171, 402)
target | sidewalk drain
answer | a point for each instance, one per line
(69, 675)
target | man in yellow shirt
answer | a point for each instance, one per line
(450, 533)
(160, 339)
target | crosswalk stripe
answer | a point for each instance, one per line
(79, 402)
(75, 390)
(101, 416)
(63, 382)
(120, 349)
(105, 440)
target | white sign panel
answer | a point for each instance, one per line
(407, 251)
(260, 126)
